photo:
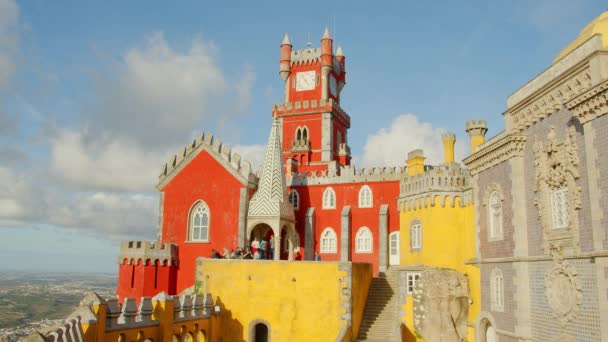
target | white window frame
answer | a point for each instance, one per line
(366, 197)
(328, 243)
(293, 194)
(559, 208)
(364, 241)
(296, 244)
(199, 207)
(412, 279)
(497, 290)
(495, 216)
(329, 198)
(415, 235)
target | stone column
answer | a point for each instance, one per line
(326, 137)
(345, 233)
(382, 238)
(242, 225)
(290, 242)
(159, 229)
(309, 234)
(277, 243)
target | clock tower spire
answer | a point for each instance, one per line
(314, 126)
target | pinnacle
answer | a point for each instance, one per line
(286, 40)
(339, 51)
(326, 34)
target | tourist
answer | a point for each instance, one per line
(255, 244)
(247, 254)
(317, 256)
(263, 246)
(215, 254)
(271, 247)
(256, 255)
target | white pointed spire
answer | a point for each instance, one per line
(271, 198)
(339, 51)
(326, 34)
(286, 40)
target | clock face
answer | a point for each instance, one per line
(305, 80)
(333, 86)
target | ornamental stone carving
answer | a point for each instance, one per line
(557, 197)
(562, 289)
(441, 305)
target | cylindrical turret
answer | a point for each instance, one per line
(341, 59)
(449, 139)
(477, 129)
(285, 65)
(326, 49)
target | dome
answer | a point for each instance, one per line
(599, 25)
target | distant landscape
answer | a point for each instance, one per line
(31, 300)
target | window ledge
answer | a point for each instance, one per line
(196, 241)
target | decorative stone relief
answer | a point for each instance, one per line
(558, 198)
(441, 305)
(562, 289)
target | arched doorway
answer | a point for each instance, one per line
(488, 332)
(260, 333)
(258, 233)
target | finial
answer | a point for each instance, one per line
(286, 40)
(339, 51)
(309, 44)
(326, 34)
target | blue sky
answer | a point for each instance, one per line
(95, 96)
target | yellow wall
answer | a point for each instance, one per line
(448, 240)
(301, 301)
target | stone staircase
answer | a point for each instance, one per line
(380, 317)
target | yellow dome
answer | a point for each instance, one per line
(599, 25)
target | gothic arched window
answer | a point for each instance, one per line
(364, 241)
(329, 198)
(365, 197)
(199, 222)
(294, 199)
(329, 241)
(495, 216)
(497, 290)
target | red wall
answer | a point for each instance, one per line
(202, 179)
(137, 278)
(348, 194)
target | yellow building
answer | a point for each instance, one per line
(437, 228)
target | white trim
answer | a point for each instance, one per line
(495, 216)
(497, 290)
(412, 278)
(415, 235)
(366, 197)
(328, 242)
(364, 241)
(329, 198)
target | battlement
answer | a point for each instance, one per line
(222, 152)
(144, 252)
(346, 174)
(160, 315)
(306, 56)
(476, 127)
(313, 106)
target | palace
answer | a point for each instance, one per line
(510, 245)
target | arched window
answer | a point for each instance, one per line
(497, 290)
(296, 243)
(199, 222)
(364, 241)
(305, 133)
(298, 134)
(415, 236)
(294, 199)
(365, 197)
(329, 241)
(329, 199)
(495, 216)
(559, 208)
(494, 204)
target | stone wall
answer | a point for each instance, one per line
(505, 319)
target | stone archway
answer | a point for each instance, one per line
(485, 330)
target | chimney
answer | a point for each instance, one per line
(476, 129)
(448, 147)
(415, 162)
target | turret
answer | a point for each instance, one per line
(341, 59)
(326, 62)
(415, 162)
(449, 139)
(285, 65)
(476, 129)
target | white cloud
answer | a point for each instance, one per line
(110, 165)
(390, 146)
(9, 19)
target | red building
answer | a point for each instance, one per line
(307, 196)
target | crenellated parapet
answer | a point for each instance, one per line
(446, 182)
(306, 56)
(346, 174)
(144, 252)
(221, 152)
(154, 318)
(311, 106)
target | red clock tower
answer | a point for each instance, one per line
(314, 126)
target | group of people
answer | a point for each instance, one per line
(259, 250)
